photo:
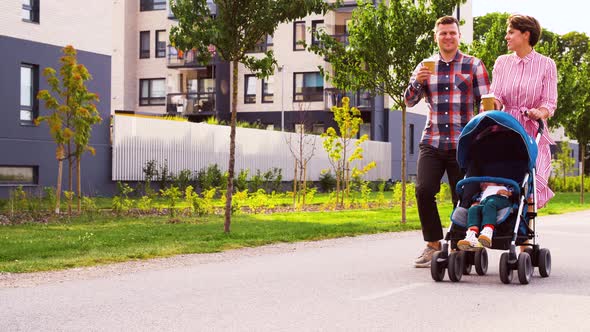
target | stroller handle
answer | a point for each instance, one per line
(541, 127)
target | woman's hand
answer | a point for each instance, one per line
(537, 114)
(498, 104)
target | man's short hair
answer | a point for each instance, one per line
(525, 23)
(446, 20)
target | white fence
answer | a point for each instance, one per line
(193, 146)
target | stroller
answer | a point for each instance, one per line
(494, 147)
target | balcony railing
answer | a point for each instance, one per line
(359, 99)
(193, 103)
(177, 59)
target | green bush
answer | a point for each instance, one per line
(183, 180)
(165, 177)
(410, 193)
(172, 194)
(256, 182)
(121, 202)
(150, 173)
(272, 179)
(210, 177)
(241, 182)
(572, 184)
(327, 182)
(145, 204)
(444, 195)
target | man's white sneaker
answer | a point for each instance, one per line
(469, 243)
(485, 237)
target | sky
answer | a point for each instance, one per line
(560, 16)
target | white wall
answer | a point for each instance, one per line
(86, 25)
(193, 146)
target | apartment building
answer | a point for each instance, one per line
(150, 76)
(125, 45)
(32, 35)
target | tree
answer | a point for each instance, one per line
(235, 28)
(488, 38)
(386, 41)
(302, 147)
(563, 162)
(338, 144)
(574, 103)
(73, 114)
(85, 116)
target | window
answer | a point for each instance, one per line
(30, 12)
(152, 92)
(300, 128)
(144, 44)
(268, 89)
(249, 89)
(298, 36)
(18, 175)
(160, 43)
(263, 45)
(365, 129)
(308, 87)
(29, 86)
(316, 26)
(411, 139)
(318, 128)
(146, 5)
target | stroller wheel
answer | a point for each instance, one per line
(456, 260)
(505, 269)
(544, 262)
(481, 262)
(525, 268)
(437, 266)
(531, 253)
(468, 262)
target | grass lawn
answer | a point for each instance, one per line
(106, 239)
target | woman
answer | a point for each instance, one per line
(525, 85)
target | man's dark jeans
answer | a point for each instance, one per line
(432, 164)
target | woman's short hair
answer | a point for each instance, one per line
(525, 23)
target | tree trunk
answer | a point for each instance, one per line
(403, 165)
(232, 147)
(70, 176)
(582, 173)
(304, 183)
(79, 184)
(59, 179)
(295, 179)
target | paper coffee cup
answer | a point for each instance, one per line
(429, 64)
(488, 102)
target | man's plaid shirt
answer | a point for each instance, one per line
(451, 94)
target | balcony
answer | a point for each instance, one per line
(359, 99)
(193, 103)
(182, 59)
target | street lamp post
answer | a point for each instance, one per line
(282, 71)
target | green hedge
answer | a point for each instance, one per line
(572, 184)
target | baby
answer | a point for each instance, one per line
(482, 213)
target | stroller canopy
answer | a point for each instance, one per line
(496, 136)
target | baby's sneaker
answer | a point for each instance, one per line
(469, 243)
(485, 237)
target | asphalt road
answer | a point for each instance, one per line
(365, 283)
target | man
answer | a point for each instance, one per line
(451, 93)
